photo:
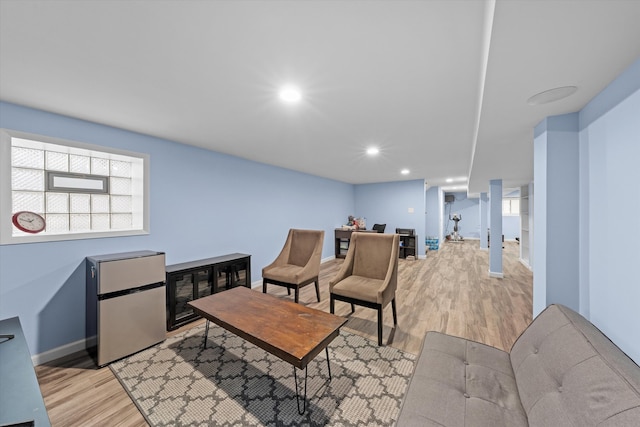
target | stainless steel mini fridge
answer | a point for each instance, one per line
(126, 303)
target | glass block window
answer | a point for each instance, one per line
(510, 207)
(74, 212)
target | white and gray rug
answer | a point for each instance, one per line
(233, 382)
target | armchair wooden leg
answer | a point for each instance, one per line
(395, 314)
(380, 325)
(318, 289)
(353, 309)
(332, 304)
(264, 286)
(296, 294)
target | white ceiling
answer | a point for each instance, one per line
(439, 86)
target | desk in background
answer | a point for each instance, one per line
(342, 238)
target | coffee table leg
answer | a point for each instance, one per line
(206, 333)
(304, 399)
(326, 349)
(295, 378)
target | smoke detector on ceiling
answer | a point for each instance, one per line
(552, 95)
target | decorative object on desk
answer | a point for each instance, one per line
(233, 382)
(356, 223)
(29, 222)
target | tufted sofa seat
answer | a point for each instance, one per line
(561, 371)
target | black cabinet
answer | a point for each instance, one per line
(342, 238)
(196, 279)
(408, 246)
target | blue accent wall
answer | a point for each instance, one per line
(469, 208)
(603, 245)
(471, 224)
(433, 213)
(389, 203)
(610, 151)
(202, 204)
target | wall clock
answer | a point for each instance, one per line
(29, 222)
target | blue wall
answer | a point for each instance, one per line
(610, 138)
(469, 208)
(243, 206)
(469, 227)
(606, 256)
(433, 213)
(389, 203)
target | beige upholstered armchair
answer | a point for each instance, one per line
(298, 263)
(369, 275)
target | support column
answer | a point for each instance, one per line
(484, 201)
(495, 249)
(556, 219)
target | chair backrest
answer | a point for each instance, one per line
(379, 227)
(373, 253)
(304, 244)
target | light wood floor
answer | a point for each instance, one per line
(450, 292)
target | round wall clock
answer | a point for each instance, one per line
(29, 222)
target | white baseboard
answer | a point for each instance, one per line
(526, 264)
(80, 345)
(64, 350)
(496, 275)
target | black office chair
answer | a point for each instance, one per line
(379, 227)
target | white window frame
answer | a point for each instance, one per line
(7, 236)
(514, 206)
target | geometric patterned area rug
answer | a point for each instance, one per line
(233, 382)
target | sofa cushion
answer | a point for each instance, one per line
(569, 373)
(461, 383)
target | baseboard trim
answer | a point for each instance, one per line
(62, 351)
(526, 264)
(81, 345)
(496, 275)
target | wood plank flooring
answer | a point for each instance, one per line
(450, 291)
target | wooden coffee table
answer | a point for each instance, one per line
(290, 331)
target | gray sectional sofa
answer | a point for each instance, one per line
(562, 371)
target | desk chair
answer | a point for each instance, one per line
(379, 227)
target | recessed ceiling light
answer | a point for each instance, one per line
(404, 171)
(372, 151)
(552, 95)
(290, 94)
